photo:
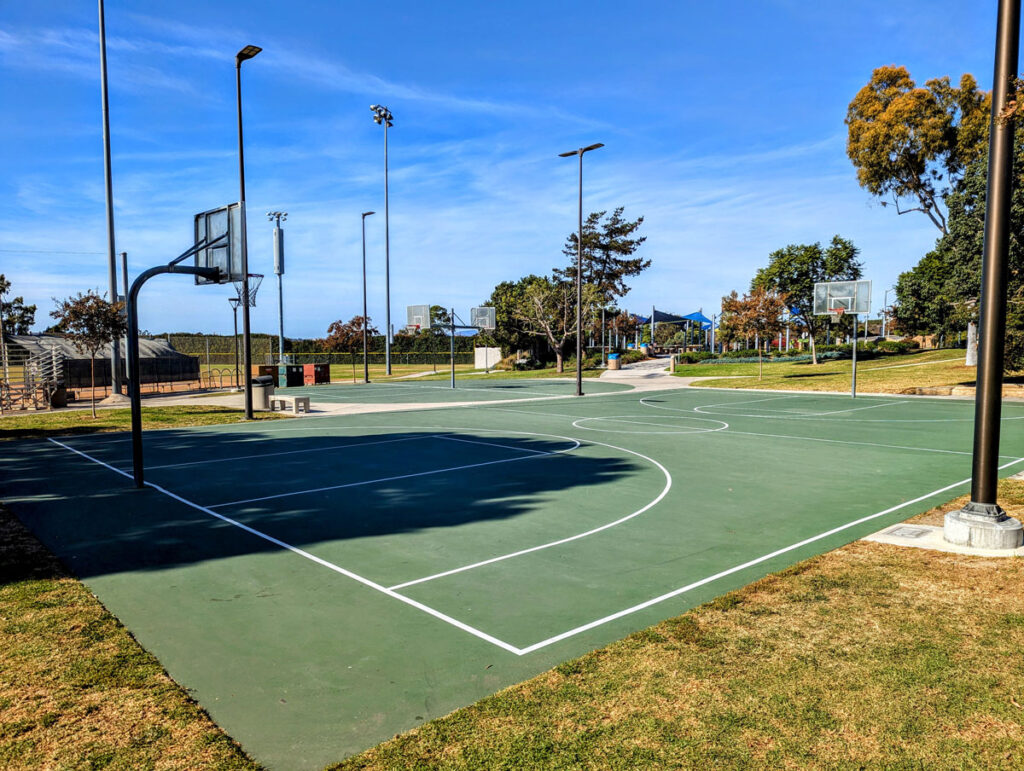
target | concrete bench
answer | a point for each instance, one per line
(280, 402)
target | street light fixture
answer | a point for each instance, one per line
(366, 365)
(382, 117)
(277, 217)
(579, 269)
(246, 53)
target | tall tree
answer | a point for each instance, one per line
(511, 332)
(758, 315)
(16, 318)
(90, 322)
(347, 337)
(794, 270)
(549, 311)
(940, 294)
(609, 246)
(911, 144)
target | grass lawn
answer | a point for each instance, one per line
(888, 374)
(75, 422)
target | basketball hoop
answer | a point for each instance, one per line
(839, 312)
(255, 279)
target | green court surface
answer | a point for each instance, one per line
(320, 584)
(440, 391)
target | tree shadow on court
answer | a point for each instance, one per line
(358, 486)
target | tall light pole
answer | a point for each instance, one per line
(115, 348)
(982, 522)
(366, 364)
(579, 269)
(382, 116)
(246, 53)
(277, 217)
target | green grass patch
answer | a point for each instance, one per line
(76, 422)
(888, 374)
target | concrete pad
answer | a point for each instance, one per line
(931, 537)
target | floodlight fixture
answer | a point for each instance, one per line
(382, 114)
(246, 53)
(279, 216)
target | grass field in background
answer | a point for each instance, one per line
(77, 422)
(886, 374)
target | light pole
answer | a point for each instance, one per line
(234, 309)
(115, 347)
(982, 522)
(277, 217)
(366, 365)
(382, 116)
(579, 268)
(246, 53)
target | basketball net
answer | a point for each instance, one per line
(255, 279)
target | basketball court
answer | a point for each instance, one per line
(322, 583)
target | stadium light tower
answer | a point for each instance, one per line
(579, 269)
(246, 53)
(382, 117)
(277, 217)
(366, 365)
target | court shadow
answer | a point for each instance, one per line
(303, 490)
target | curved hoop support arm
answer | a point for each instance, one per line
(134, 386)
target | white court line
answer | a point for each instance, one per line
(564, 635)
(292, 452)
(313, 558)
(637, 513)
(502, 446)
(737, 568)
(858, 409)
(387, 479)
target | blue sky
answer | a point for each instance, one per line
(723, 128)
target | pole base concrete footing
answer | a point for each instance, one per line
(976, 525)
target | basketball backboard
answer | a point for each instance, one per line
(835, 298)
(418, 315)
(482, 318)
(224, 223)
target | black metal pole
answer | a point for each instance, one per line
(387, 261)
(579, 287)
(115, 348)
(366, 363)
(246, 332)
(988, 400)
(234, 312)
(453, 347)
(135, 388)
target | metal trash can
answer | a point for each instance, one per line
(262, 390)
(613, 361)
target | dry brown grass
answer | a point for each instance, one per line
(76, 690)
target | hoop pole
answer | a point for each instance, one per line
(853, 376)
(135, 388)
(453, 347)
